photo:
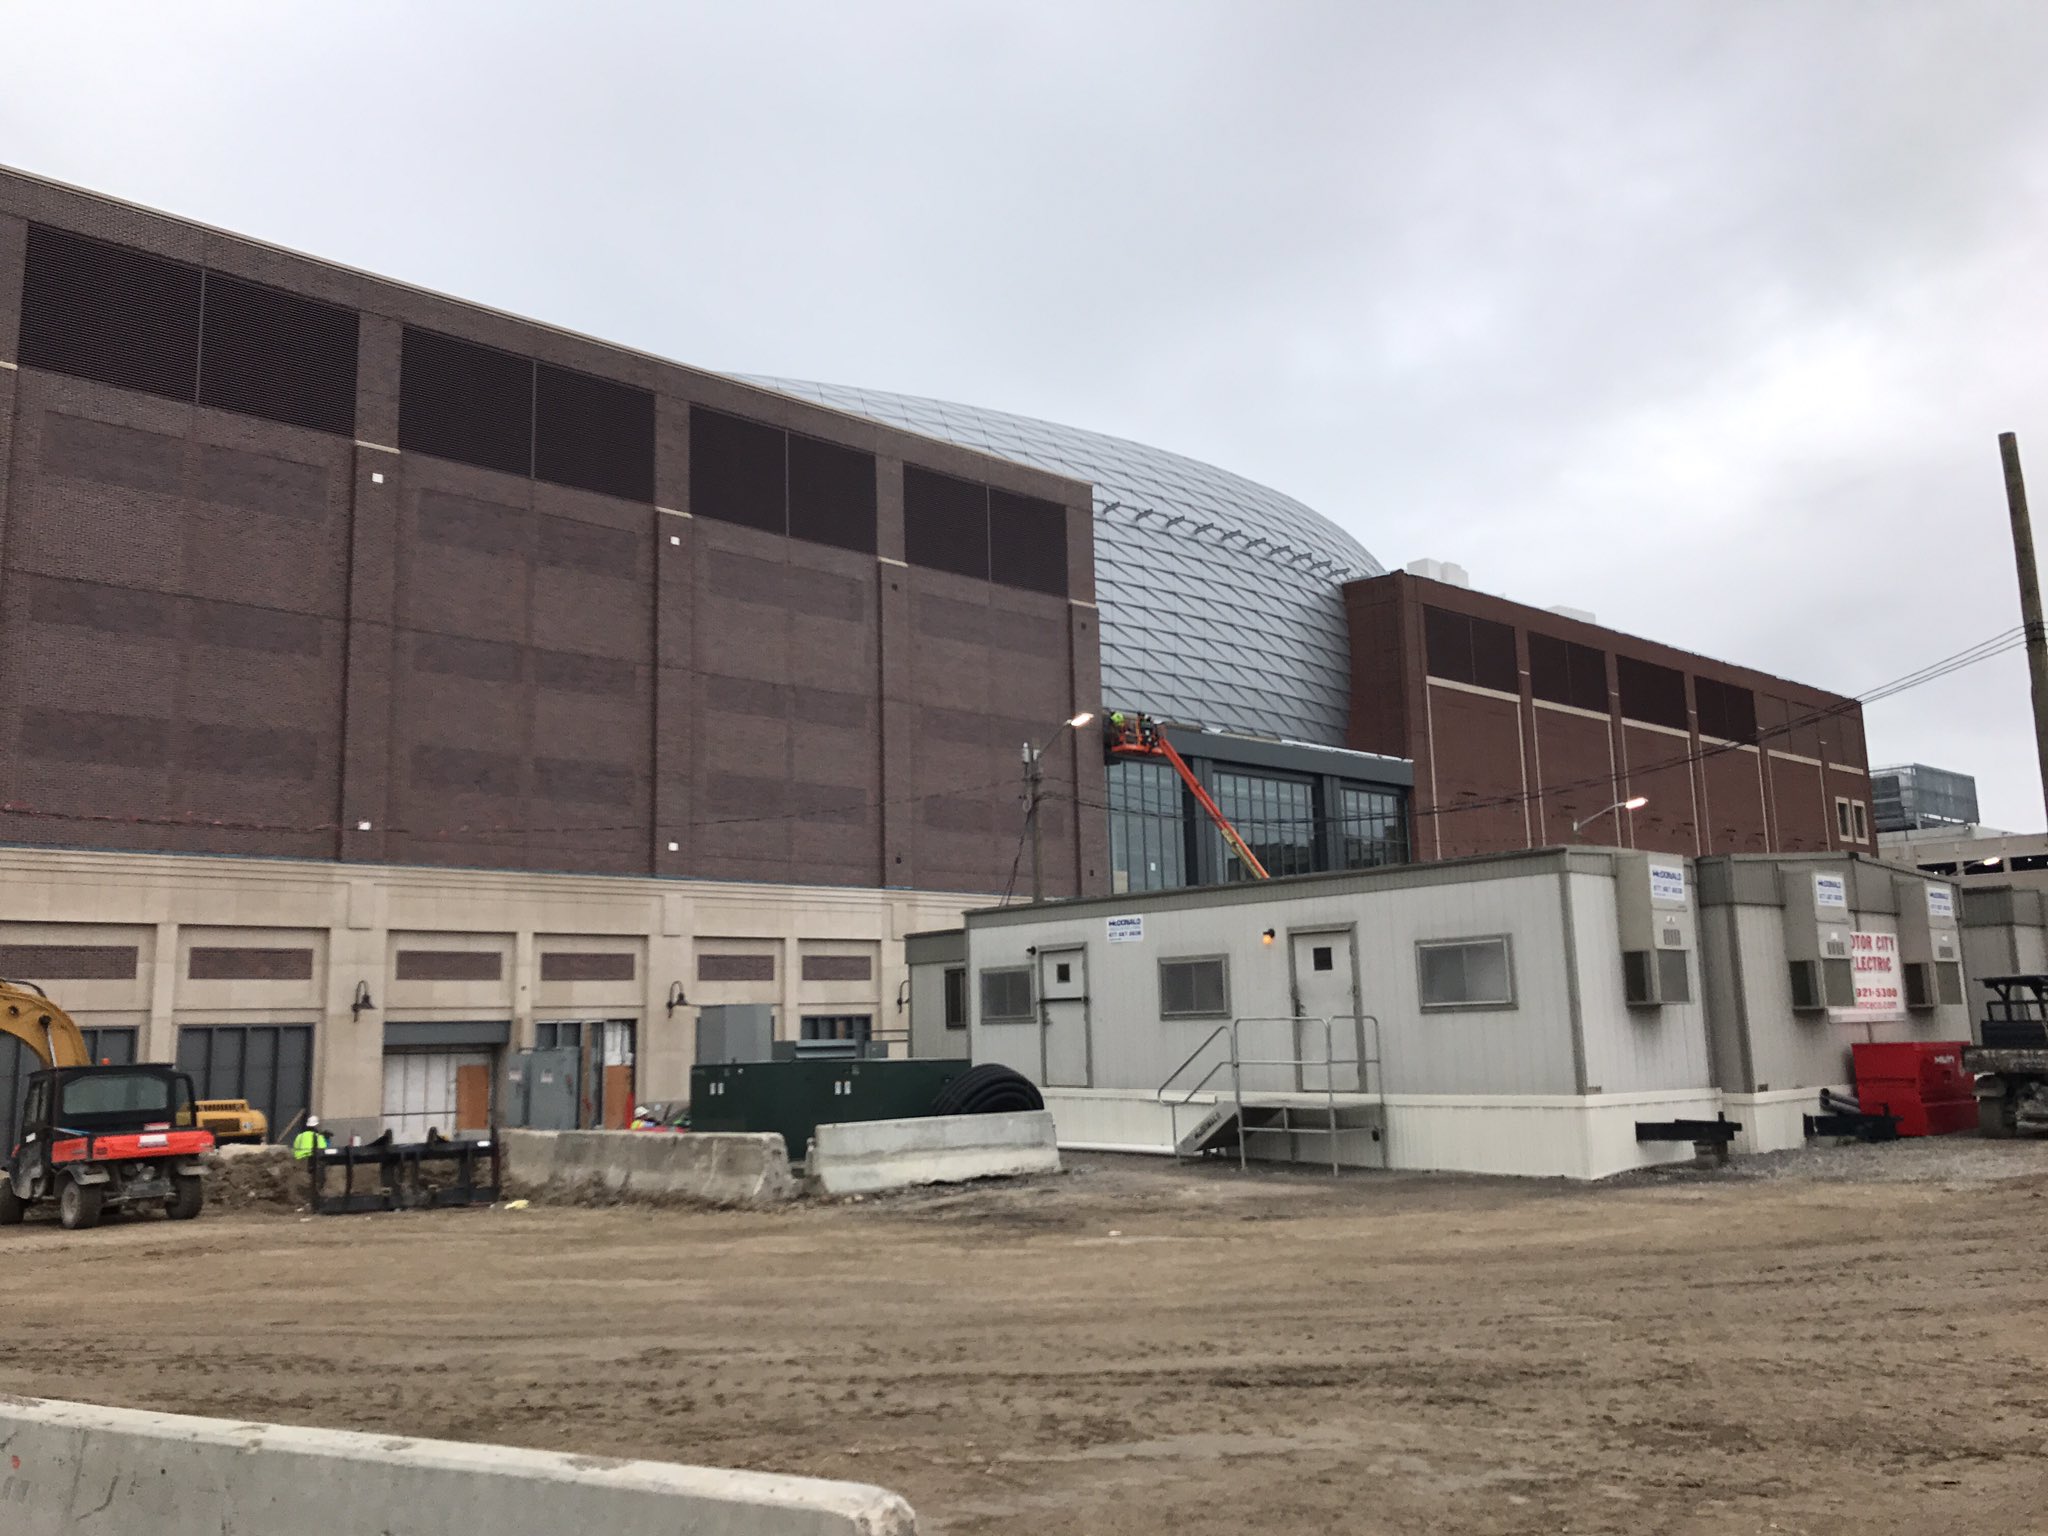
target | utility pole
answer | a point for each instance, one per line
(2030, 595)
(1034, 782)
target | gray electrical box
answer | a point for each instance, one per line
(735, 1032)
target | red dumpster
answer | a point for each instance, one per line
(1920, 1081)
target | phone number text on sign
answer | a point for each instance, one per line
(1874, 958)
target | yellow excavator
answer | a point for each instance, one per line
(28, 1014)
(96, 1137)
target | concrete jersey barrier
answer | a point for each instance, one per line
(714, 1168)
(866, 1155)
(71, 1467)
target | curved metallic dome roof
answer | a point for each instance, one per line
(1220, 597)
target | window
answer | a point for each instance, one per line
(1842, 820)
(1194, 989)
(1861, 819)
(956, 997)
(1148, 837)
(1465, 973)
(1006, 995)
(1063, 972)
(1372, 827)
(1275, 816)
(1323, 958)
(838, 1026)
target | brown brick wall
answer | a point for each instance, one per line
(223, 634)
(1475, 768)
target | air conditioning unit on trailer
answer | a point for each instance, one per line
(1817, 937)
(1653, 910)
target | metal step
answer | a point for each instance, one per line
(1215, 1132)
(1293, 1128)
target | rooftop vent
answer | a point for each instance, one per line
(1445, 571)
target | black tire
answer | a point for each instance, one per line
(79, 1205)
(988, 1090)
(190, 1199)
(11, 1208)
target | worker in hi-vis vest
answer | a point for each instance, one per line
(312, 1139)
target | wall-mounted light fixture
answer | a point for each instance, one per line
(363, 1002)
(902, 994)
(675, 998)
(1266, 937)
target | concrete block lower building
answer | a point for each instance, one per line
(401, 998)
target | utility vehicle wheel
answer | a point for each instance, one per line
(78, 1205)
(189, 1199)
(10, 1203)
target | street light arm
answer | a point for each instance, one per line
(1633, 803)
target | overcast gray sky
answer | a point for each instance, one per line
(1702, 316)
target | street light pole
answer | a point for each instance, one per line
(1034, 786)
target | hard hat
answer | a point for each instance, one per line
(641, 1112)
(312, 1122)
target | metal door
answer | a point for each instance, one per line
(1326, 987)
(1063, 1017)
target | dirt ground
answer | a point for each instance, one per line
(1853, 1341)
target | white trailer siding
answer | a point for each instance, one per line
(1629, 1050)
(1523, 1048)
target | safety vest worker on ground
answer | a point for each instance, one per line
(312, 1139)
(643, 1121)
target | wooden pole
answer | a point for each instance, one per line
(2030, 596)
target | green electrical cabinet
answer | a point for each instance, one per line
(796, 1097)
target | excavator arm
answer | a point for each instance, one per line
(39, 1024)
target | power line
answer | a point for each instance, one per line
(1984, 650)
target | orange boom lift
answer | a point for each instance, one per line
(1140, 736)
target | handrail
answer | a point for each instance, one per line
(1237, 1062)
(1207, 1041)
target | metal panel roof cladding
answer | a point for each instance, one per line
(1221, 601)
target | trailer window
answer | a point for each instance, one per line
(956, 998)
(1006, 995)
(1194, 989)
(1465, 973)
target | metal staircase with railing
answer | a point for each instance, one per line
(1281, 1125)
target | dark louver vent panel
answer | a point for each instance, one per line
(1652, 693)
(1462, 648)
(831, 494)
(273, 354)
(117, 316)
(1565, 672)
(460, 401)
(945, 522)
(737, 471)
(1726, 710)
(593, 434)
(1027, 542)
